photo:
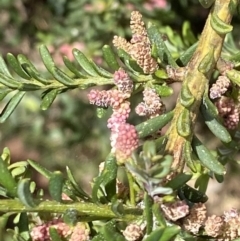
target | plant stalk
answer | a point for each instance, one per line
(210, 43)
(85, 210)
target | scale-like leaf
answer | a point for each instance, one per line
(186, 97)
(218, 25)
(11, 106)
(184, 123)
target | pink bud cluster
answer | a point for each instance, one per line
(76, 233)
(124, 137)
(152, 104)
(220, 87)
(229, 111)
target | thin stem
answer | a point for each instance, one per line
(89, 210)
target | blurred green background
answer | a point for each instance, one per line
(69, 133)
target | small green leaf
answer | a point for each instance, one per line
(188, 36)
(110, 232)
(11, 106)
(186, 97)
(189, 157)
(187, 55)
(152, 125)
(234, 76)
(211, 108)
(107, 177)
(98, 237)
(9, 82)
(157, 41)
(42, 170)
(110, 57)
(55, 186)
(29, 87)
(184, 123)
(84, 63)
(54, 234)
(159, 215)
(48, 98)
(179, 180)
(220, 26)
(24, 194)
(155, 235)
(80, 191)
(169, 233)
(161, 73)
(117, 207)
(219, 178)
(214, 126)
(70, 217)
(148, 202)
(206, 3)
(30, 69)
(206, 157)
(73, 68)
(23, 226)
(13, 62)
(3, 68)
(4, 92)
(61, 77)
(6, 179)
(18, 171)
(163, 90)
(101, 112)
(35, 75)
(202, 182)
(102, 72)
(46, 57)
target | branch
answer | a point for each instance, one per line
(85, 210)
(197, 78)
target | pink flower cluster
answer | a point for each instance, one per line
(76, 233)
(229, 111)
(152, 105)
(124, 137)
